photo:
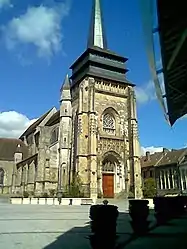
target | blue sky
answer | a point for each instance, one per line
(39, 40)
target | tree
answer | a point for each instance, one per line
(74, 189)
(149, 188)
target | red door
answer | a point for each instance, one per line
(108, 185)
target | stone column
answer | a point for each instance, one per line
(164, 177)
(168, 176)
(173, 182)
(160, 178)
(135, 145)
(92, 153)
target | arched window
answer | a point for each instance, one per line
(2, 173)
(54, 135)
(108, 123)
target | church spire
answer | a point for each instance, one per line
(96, 33)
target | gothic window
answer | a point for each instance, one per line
(1, 177)
(108, 123)
(54, 135)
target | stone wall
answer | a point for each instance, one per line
(7, 166)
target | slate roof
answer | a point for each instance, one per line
(162, 159)
(54, 119)
(32, 127)
(9, 146)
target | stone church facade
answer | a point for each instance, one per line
(94, 134)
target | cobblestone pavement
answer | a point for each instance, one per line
(51, 227)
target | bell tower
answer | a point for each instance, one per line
(98, 79)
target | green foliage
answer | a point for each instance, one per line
(130, 195)
(45, 195)
(149, 188)
(74, 189)
(25, 194)
(52, 192)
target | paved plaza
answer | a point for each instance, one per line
(51, 227)
(67, 227)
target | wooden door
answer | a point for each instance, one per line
(108, 185)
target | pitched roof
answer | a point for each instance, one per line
(162, 158)
(54, 119)
(32, 127)
(9, 146)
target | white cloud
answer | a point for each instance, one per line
(13, 124)
(5, 3)
(39, 27)
(151, 149)
(147, 92)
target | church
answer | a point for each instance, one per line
(93, 135)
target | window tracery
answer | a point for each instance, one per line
(108, 123)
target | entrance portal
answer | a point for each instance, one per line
(110, 167)
(108, 185)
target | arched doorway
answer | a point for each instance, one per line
(109, 166)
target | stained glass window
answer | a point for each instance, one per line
(108, 123)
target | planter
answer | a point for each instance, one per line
(42, 201)
(139, 211)
(65, 201)
(34, 200)
(16, 200)
(26, 201)
(103, 224)
(103, 220)
(165, 209)
(50, 201)
(56, 202)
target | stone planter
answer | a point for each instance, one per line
(164, 209)
(26, 201)
(50, 201)
(16, 200)
(65, 201)
(103, 226)
(181, 202)
(139, 211)
(34, 200)
(56, 202)
(42, 201)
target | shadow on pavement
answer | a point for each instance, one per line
(78, 237)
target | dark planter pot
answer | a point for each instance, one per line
(181, 202)
(139, 211)
(103, 224)
(165, 209)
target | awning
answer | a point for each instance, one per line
(172, 27)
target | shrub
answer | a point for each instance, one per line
(149, 188)
(130, 195)
(45, 195)
(52, 192)
(74, 189)
(25, 194)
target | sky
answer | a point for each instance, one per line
(39, 40)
